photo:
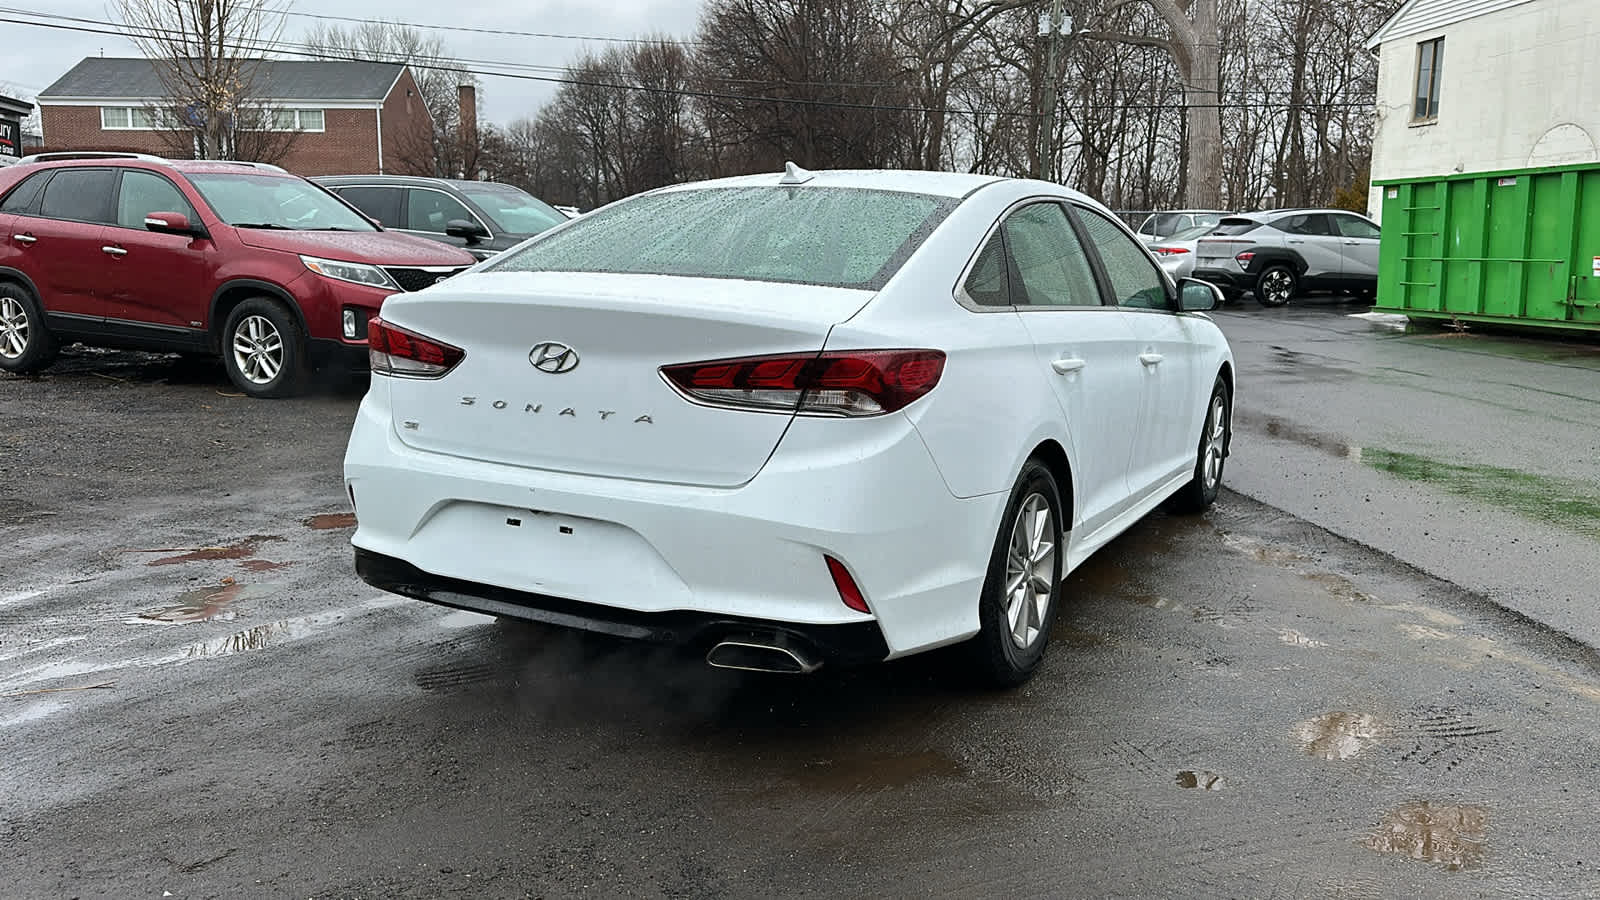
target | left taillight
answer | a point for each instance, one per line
(393, 350)
(837, 383)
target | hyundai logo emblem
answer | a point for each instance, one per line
(553, 357)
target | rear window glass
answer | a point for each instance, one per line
(838, 237)
(1235, 226)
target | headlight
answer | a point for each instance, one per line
(356, 273)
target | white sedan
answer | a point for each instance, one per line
(791, 419)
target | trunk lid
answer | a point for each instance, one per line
(610, 413)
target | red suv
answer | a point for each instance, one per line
(244, 260)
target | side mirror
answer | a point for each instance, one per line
(1195, 295)
(171, 223)
(461, 228)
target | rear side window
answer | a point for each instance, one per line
(143, 193)
(1233, 226)
(21, 198)
(832, 236)
(381, 203)
(1050, 261)
(1135, 280)
(989, 284)
(79, 195)
(1308, 224)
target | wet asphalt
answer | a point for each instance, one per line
(199, 699)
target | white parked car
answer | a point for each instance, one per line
(1177, 253)
(791, 419)
(1161, 225)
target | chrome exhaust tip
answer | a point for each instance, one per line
(748, 656)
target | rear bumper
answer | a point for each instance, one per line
(1225, 278)
(594, 550)
(846, 643)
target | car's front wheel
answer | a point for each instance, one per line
(1023, 585)
(263, 349)
(26, 344)
(1276, 285)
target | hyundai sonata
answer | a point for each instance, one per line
(791, 419)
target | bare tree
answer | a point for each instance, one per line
(208, 55)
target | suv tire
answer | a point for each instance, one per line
(264, 349)
(26, 344)
(1276, 285)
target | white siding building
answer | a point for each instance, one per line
(1486, 85)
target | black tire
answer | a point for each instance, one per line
(264, 349)
(1276, 285)
(998, 658)
(1201, 491)
(26, 344)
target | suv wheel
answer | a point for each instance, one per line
(26, 344)
(1276, 285)
(263, 349)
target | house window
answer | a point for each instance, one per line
(127, 118)
(297, 120)
(1430, 62)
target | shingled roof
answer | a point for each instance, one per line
(277, 79)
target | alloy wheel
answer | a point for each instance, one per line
(1278, 285)
(1216, 442)
(1030, 570)
(258, 349)
(13, 328)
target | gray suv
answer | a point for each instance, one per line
(1282, 253)
(481, 217)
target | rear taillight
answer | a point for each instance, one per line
(841, 383)
(1245, 257)
(848, 592)
(396, 351)
(1171, 251)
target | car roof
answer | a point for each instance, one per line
(425, 180)
(946, 184)
(152, 163)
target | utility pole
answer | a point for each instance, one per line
(1052, 88)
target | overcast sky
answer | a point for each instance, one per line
(35, 57)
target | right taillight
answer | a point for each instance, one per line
(841, 383)
(393, 350)
(1245, 257)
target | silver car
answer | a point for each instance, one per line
(1177, 253)
(1282, 253)
(1161, 225)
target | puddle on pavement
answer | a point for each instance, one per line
(330, 521)
(239, 550)
(1450, 836)
(879, 771)
(1337, 735)
(1567, 503)
(1261, 551)
(1288, 431)
(1078, 637)
(263, 565)
(1292, 362)
(207, 604)
(1200, 779)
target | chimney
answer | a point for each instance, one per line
(467, 98)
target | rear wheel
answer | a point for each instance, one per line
(1023, 585)
(26, 344)
(1202, 489)
(263, 349)
(1276, 285)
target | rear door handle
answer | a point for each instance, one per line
(1068, 366)
(1352, 243)
(1151, 359)
(24, 238)
(1297, 242)
(114, 251)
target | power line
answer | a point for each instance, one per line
(311, 53)
(496, 31)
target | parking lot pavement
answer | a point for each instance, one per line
(1475, 457)
(1239, 705)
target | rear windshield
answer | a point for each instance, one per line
(838, 237)
(1189, 234)
(1236, 226)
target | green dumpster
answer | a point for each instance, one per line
(1518, 247)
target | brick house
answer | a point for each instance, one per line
(350, 117)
